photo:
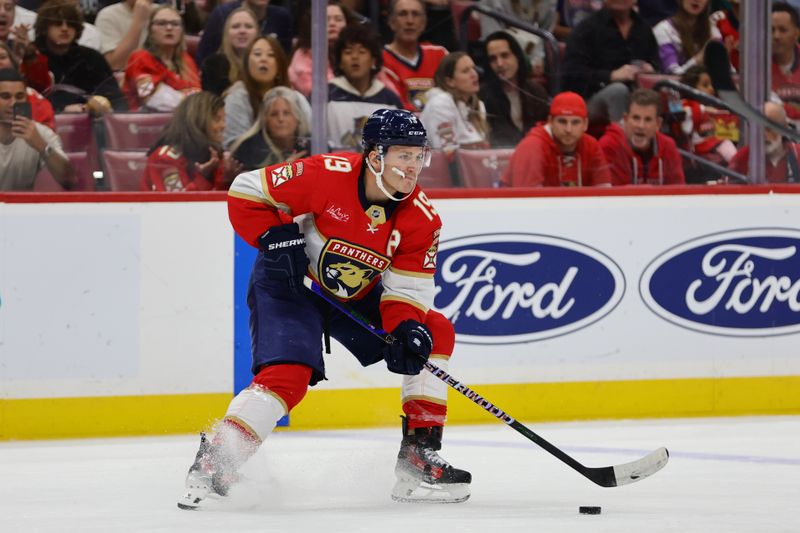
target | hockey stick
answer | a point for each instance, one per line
(605, 476)
(719, 70)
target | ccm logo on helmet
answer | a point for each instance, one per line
(286, 244)
(413, 132)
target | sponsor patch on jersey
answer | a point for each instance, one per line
(298, 168)
(346, 269)
(430, 256)
(281, 175)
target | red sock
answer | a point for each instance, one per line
(422, 413)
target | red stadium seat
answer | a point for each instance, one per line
(134, 131)
(192, 42)
(75, 130)
(473, 24)
(45, 182)
(648, 81)
(438, 174)
(77, 135)
(483, 168)
(124, 169)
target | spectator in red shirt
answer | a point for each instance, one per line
(786, 58)
(409, 66)
(161, 74)
(782, 155)
(188, 154)
(637, 152)
(41, 108)
(559, 153)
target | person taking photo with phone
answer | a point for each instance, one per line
(26, 146)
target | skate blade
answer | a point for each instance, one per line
(415, 491)
(199, 500)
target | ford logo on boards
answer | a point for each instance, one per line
(506, 288)
(736, 283)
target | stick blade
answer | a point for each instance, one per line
(641, 468)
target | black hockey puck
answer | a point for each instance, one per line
(589, 510)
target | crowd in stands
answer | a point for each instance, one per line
(223, 86)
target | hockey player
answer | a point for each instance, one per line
(369, 235)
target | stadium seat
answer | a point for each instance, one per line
(648, 80)
(134, 131)
(45, 182)
(457, 7)
(192, 42)
(437, 175)
(483, 168)
(75, 130)
(124, 169)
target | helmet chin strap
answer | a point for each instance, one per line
(379, 178)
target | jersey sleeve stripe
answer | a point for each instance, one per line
(410, 273)
(247, 183)
(396, 298)
(243, 196)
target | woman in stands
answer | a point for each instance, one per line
(161, 74)
(355, 92)
(281, 133)
(82, 79)
(338, 16)
(514, 102)
(188, 155)
(41, 108)
(265, 68)
(221, 70)
(454, 116)
(683, 37)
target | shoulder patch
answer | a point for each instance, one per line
(430, 256)
(281, 175)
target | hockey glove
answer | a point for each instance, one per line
(411, 348)
(284, 255)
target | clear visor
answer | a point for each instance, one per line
(409, 154)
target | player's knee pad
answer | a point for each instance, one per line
(444, 336)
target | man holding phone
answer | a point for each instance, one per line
(26, 146)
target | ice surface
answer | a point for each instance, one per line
(725, 475)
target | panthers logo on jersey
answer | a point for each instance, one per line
(346, 269)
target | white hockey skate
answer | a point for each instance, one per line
(207, 481)
(422, 475)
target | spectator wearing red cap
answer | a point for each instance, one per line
(637, 152)
(559, 153)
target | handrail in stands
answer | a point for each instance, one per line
(694, 94)
(725, 171)
(553, 57)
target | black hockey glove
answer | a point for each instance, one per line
(284, 255)
(411, 348)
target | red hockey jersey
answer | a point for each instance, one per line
(787, 86)
(144, 72)
(168, 170)
(412, 80)
(350, 241)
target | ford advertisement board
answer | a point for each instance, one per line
(507, 288)
(736, 283)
